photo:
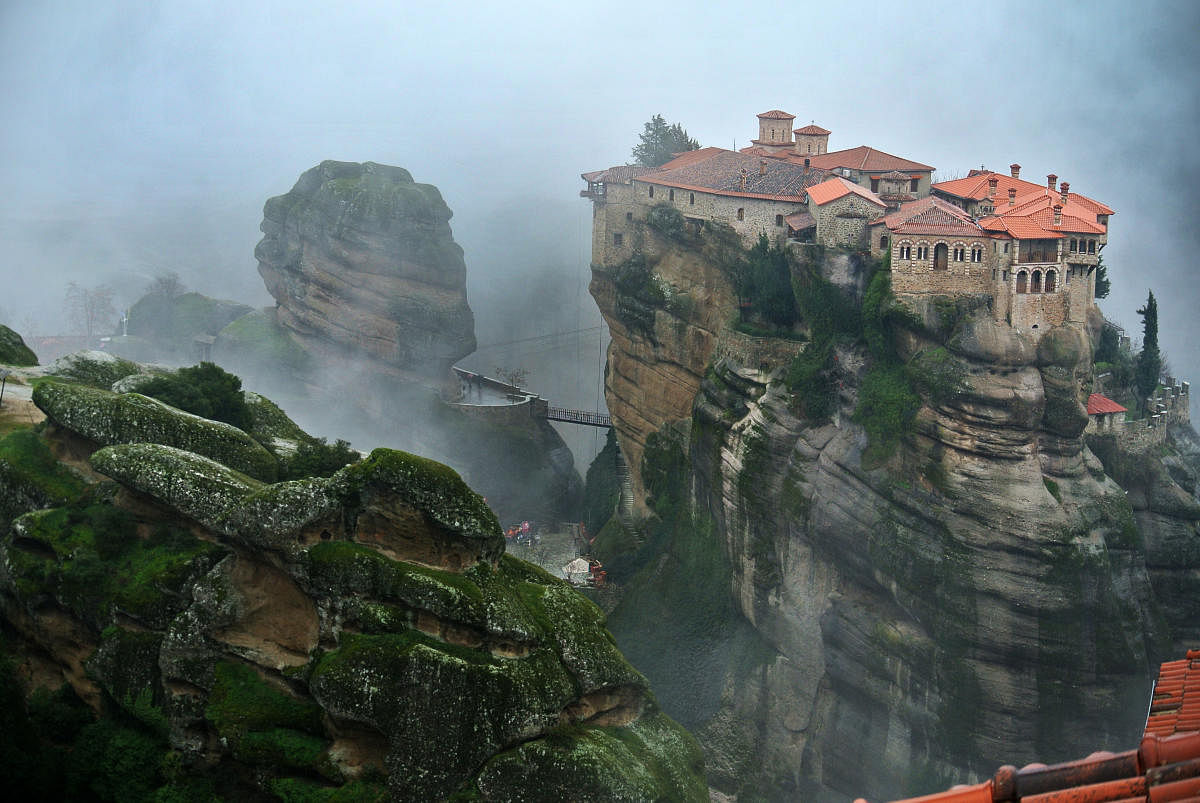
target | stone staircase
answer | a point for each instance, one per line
(625, 502)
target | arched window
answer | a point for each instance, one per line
(741, 213)
(1022, 282)
(1050, 281)
(940, 252)
(651, 190)
(1035, 286)
(779, 220)
(692, 198)
(670, 195)
(883, 241)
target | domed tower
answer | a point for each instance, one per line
(775, 131)
(811, 140)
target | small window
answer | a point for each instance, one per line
(629, 216)
(651, 190)
(1006, 248)
(618, 238)
(692, 198)
(1091, 246)
(671, 195)
(912, 185)
(779, 220)
(874, 185)
(883, 241)
(977, 254)
(1074, 244)
(741, 213)
(993, 274)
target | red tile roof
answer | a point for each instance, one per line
(618, 174)
(1102, 404)
(800, 221)
(1021, 228)
(776, 114)
(932, 216)
(975, 187)
(838, 187)
(812, 129)
(863, 158)
(1164, 767)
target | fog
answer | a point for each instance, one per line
(141, 138)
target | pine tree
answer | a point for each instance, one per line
(1103, 285)
(1149, 362)
(660, 142)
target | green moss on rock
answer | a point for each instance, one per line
(652, 760)
(31, 477)
(433, 488)
(13, 350)
(196, 486)
(99, 369)
(110, 418)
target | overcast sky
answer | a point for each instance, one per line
(139, 137)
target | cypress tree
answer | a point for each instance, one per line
(1149, 362)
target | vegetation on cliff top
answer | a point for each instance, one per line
(13, 350)
(659, 142)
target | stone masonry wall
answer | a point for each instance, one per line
(758, 215)
(917, 276)
(843, 222)
(763, 354)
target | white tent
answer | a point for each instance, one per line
(577, 566)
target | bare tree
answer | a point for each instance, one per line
(90, 309)
(167, 284)
(513, 376)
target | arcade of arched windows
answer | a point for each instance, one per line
(943, 253)
(1037, 281)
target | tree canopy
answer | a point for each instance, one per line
(1149, 362)
(1103, 285)
(660, 142)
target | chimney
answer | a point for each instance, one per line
(762, 167)
(992, 182)
(1057, 214)
(1015, 169)
(1051, 181)
(1066, 191)
(1012, 196)
(805, 164)
(744, 173)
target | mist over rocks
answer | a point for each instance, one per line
(359, 256)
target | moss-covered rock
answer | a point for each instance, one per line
(652, 760)
(96, 368)
(194, 485)
(13, 350)
(31, 477)
(110, 418)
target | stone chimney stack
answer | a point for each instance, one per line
(1057, 214)
(762, 167)
(1066, 192)
(1051, 181)
(992, 182)
(1015, 169)
(744, 174)
(1012, 196)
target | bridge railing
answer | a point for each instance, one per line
(578, 417)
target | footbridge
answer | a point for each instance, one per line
(491, 398)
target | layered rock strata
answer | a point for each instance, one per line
(360, 635)
(985, 594)
(359, 257)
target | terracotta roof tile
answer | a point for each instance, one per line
(975, 187)
(1098, 403)
(1164, 767)
(800, 221)
(1021, 228)
(932, 216)
(719, 171)
(863, 158)
(838, 187)
(776, 114)
(618, 174)
(811, 130)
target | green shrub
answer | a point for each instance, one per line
(810, 378)
(886, 408)
(205, 390)
(316, 458)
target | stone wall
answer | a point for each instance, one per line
(1170, 406)
(762, 354)
(917, 276)
(843, 222)
(758, 215)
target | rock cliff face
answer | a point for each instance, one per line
(359, 256)
(892, 624)
(358, 636)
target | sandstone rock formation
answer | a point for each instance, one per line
(359, 256)
(882, 626)
(360, 636)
